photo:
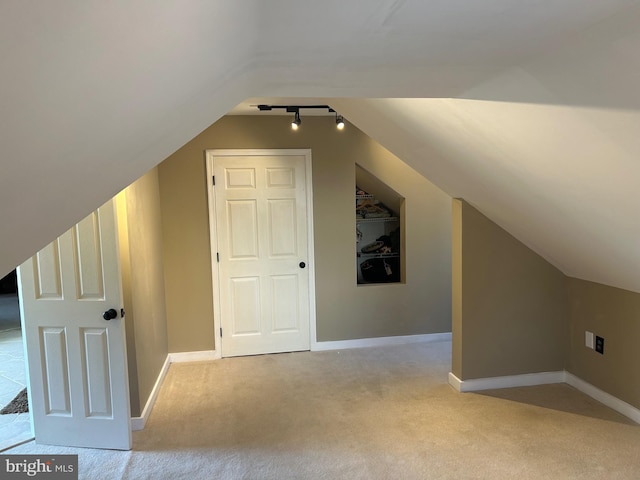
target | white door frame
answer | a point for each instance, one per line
(213, 234)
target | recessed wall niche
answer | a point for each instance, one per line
(379, 231)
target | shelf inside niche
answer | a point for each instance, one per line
(376, 219)
(378, 255)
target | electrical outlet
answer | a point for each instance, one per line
(588, 339)
(600, 345)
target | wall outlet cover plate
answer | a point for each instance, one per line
(600, 345)
(588, 339)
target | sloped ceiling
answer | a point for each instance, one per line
(527, 109)
(549, 149)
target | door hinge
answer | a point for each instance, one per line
(220, 332)
(213, 179)
(218, 256)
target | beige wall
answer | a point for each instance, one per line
(344, 310)
(140, 235)
(514, 313)
(456, 287)
(511, 311)
(613, 314)
(511, 304)
(127, 300)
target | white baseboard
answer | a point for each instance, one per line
(138, 423)
(510, 381)
(201, 356)
(603, 397)
(531, 379)
(455, 382)
(473, 385)
(380, 341)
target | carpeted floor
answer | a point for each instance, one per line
(382, 413)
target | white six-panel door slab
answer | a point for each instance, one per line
(77, 360)
(261, 216)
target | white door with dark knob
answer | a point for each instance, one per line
(262, 219)
(71, 300)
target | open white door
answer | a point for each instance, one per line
(77, 359)
(262, 215)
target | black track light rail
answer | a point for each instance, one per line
(294, 108)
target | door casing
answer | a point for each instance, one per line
(213, 234)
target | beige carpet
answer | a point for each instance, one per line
(382, 413)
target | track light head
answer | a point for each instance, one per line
(295, 109)
(296, 121)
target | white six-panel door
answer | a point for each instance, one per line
(77, 360)
(261, 216)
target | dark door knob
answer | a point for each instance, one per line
(302, 264)
(110, 314)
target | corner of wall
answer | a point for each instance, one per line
(125, 271)
(143, 284)
(456, 286)
(613, 314)
(513, 303)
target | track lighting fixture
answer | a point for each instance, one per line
(295, 109)
(296, 121)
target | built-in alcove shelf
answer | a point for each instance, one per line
(378, 232)
(376, 219)
(378, 255)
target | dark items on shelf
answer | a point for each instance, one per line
(378, 233)
(381, 270)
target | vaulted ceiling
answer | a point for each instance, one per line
(527, 109)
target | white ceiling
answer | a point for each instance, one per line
(526, 108)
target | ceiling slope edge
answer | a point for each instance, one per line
(586, 237)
